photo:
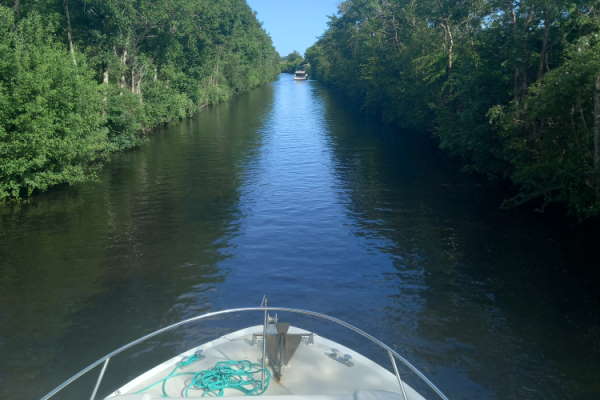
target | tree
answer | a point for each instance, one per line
(512, 88)
(51, 123)
(292, 62)
(133, 64)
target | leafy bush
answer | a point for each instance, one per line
(51, 119)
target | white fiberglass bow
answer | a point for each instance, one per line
(279, 360)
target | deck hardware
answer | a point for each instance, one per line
(199, 354)
(346, 359)
(400, 382)
(307, 338)
(280, 345)
(102, 371)
(264, 303)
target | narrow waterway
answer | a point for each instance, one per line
(287, 191)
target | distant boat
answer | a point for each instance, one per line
(300, 76)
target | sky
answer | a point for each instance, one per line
(294, 24)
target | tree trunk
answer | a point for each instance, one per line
(514, 42)
(141, 76)
(17, 8)
(105, 84)
(597, 131)
(138, 88)
(69, 31)
(450, 39)
(123, 65)
(544, 51)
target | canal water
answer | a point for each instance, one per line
(288, 191)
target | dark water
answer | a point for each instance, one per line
(289, 192)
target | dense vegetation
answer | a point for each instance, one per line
(292, 62)
(80, 79)
(510, 86)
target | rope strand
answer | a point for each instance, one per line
(237, 375)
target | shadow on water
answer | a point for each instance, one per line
(483, 298)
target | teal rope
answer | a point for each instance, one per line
(237, 375)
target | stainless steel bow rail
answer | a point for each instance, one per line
(265, 309)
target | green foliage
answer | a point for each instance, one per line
(126, 119)
(51, 122)
(292, 62)
(79, 79)
(508, 87)
(548, 137)
(163, 103)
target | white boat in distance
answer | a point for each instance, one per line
(300, 76)
(273, 359)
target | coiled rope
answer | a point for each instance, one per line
(243, 375)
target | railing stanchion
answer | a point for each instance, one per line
(397, 374)
(99, 379)
(264, 348)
